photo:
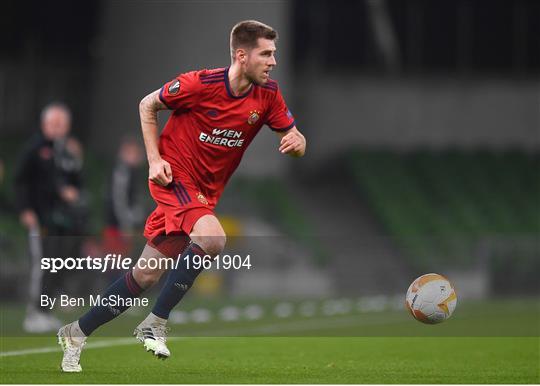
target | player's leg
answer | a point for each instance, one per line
(35, 320)
(207, 238)
(72, 337)
(130, 285)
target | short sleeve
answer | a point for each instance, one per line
(181, 92)
(279, 116)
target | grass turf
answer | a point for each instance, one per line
(292, 360)
(486, 342)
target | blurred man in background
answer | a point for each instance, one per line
(124, 209)
(48, 191)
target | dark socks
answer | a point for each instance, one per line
(178, 282)
(125, 287)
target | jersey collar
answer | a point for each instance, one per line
(228, 87)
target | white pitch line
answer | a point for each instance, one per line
(283, 327)
(90, 345)
(44, 350)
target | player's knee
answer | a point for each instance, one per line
(209, 235)
(213, 245)
(146, 278)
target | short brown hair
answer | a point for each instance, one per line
(246, 33)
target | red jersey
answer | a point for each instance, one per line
(210, 128)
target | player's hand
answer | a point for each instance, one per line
(29, 219)
(160, 172)
(293, 143)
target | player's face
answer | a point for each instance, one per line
(55, 124)
(260, 61)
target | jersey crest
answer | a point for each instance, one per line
(254, 116)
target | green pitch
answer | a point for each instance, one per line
(488, 342)
(292, 360)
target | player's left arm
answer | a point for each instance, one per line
(292, 142)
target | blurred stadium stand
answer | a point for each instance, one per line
(456, 209)
(422, 119)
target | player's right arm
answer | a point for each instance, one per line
(159, 170)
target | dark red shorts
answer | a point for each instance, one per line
(179, 206)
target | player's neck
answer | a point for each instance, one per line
(239, 84)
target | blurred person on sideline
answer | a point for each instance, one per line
(124, 208)
(51, 206)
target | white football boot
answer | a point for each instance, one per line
(72, 340)
(152, 333)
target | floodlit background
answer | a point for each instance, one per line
(423, 128)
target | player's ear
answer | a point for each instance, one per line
(241, 55)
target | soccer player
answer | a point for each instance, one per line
(216, 115)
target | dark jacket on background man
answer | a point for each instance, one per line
(44, 168)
